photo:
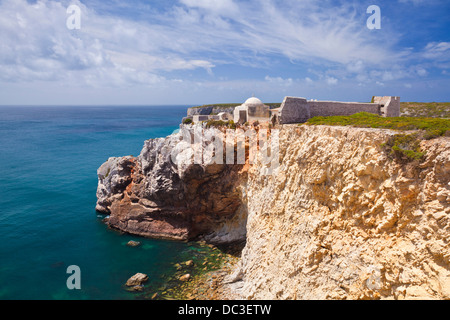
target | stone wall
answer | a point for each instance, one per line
(258, 112)
(390, 106)
(294, 110)
(299, 110)
(199, 118)
(334, 108)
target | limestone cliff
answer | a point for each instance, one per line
(336, 220)
(207, 110)
(152, 196)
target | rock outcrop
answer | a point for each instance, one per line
(207, 110)
(336, 220)
(152, 196)
(137, 280)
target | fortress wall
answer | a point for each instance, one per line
(333, 108)
(390, 105)
(393, 108)
(199, 118)
(294, 110)
(258, 113)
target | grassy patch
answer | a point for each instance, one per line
(430, 127)
(187, 121)
(425, 109)
(404, 148)
(220, 123)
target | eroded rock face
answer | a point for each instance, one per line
(152, 196)
(338, 220)
(113, 177)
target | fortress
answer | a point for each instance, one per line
(299, 110)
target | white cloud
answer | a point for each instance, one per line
(178, 39)
(279, 81)
(355, 66)
(331, 80)
(422, 72)
(113, 50)
(437, 51)
(221, 7)
(414, 2)
(36, 45)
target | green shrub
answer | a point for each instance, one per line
(404, 148)
(425, 109)
(220, 123)
(187, 121)
(401, 147)
(431, 127)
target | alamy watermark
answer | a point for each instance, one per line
(374, 21)
(74, 280)
(73, 22)
(198, 145)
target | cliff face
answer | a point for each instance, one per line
(336, 220)
(209, 110)
(151, 196)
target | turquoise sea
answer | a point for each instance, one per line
(48, 162)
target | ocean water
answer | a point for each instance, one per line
(48, 162)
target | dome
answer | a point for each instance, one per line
(253, 101)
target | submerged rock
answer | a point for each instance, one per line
(178, 266)
(132, 243)
(136, 288)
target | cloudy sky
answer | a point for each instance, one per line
(153, 52)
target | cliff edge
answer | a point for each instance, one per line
(152, 196)
(338, 219)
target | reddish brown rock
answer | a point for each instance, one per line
(150, 196)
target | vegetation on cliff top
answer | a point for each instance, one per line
(220, 123)
(407, 109)
(431, 127)
(401, 147)
(425, 109)
(404, 148)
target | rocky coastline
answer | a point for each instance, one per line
(150, 196)
(338, 219)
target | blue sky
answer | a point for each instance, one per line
(215, 51)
